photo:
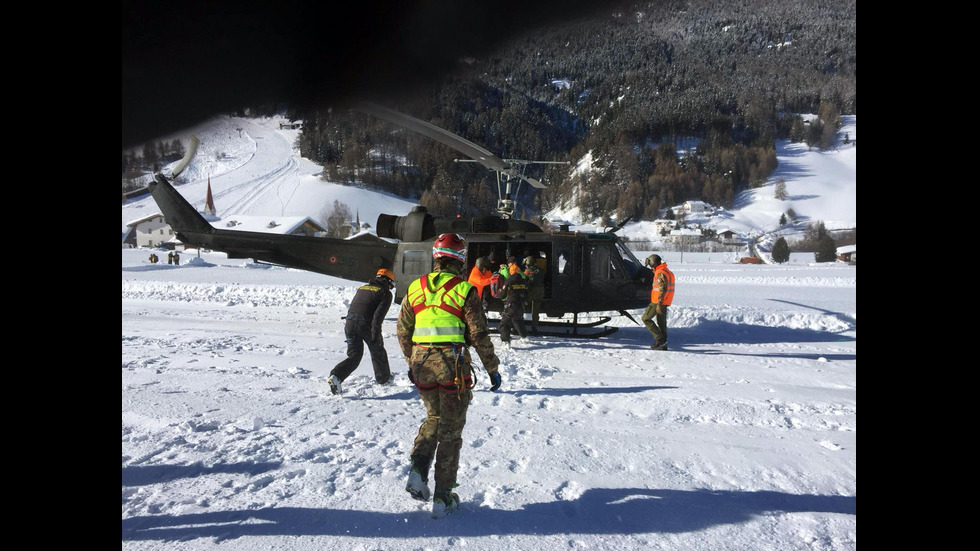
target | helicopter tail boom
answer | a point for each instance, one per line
(356, 259)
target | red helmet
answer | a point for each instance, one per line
(450, 245)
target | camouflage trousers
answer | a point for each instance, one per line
(656, 323)
(440, 436)
(534, 307)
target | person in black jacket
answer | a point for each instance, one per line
(367, 311)
(514, 294)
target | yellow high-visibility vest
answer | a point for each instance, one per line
(437, 300)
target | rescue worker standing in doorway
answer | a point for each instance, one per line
(480, 278)
(535, 289)
(441, 317)
(661, 296)
(367, 311)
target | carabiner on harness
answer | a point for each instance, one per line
(457, 352)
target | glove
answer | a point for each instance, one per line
(411, 378)
(495, 379)
(660, 308)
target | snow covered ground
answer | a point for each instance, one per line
(741, 436)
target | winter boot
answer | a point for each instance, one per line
(418, 478)
(443, 503)
(417, 486)
(335, 385)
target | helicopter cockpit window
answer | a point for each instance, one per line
(416, 262)
(603, 264)
(629, 260)
(564, 261)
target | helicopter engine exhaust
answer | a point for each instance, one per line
(417, 225)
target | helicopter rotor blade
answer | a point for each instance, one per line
(445, 137)
(188, 157)
(533, 182)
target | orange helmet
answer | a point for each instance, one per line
(450, 245)
(385, 272)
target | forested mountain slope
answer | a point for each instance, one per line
(670, 101)
(675, 100)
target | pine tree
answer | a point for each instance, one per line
(780, 251)
(826, 249)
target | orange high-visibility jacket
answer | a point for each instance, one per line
(479, 279)
(661, 270)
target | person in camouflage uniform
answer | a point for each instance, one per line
(441, 317)
(535, 289)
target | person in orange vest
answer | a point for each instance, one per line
(480, 278)
(661, 296)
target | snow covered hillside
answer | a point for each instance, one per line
(255, 168)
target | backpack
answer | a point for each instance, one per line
(496, 282)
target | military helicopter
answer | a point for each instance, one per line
(585, 272)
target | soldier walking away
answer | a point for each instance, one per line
(441, 317)
(535, 289)
(514, 293)
(170, 257)
(367, 311)
(176, 258)
(661, 296)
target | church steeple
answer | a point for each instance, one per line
(209, 202)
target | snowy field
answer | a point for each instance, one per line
(741, 436)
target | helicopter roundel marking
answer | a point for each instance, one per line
(332, 259)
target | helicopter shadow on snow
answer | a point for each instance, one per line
(700, 338)
(697, 339)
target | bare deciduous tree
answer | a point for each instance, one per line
(781, 189)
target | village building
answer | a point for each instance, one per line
(685, 236)
(847, 253)
(149, 231)
(695, 207)
(662, 226)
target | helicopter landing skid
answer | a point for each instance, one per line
(568, 329)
